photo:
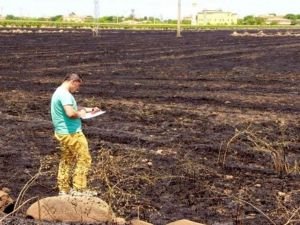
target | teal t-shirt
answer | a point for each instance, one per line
(62, 123)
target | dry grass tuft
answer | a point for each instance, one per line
(258, 141)
(121, 179)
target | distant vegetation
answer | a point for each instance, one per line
(104, 19)
(73, 21)
(295, 18)
(251, 20)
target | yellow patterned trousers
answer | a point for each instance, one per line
(75, 162)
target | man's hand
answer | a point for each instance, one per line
(90, 109)
(81, 113)
(95, 109)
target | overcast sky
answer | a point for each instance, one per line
(158, 8)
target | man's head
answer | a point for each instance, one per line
(74, 81)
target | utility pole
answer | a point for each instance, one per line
(96, 12)
(194, 16)
(178, 19)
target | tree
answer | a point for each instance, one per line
(171, 21)
(11, 17)
(106, 19)
(260, 21)
(185, 21)
(291, 16)
(42, 19)
(57, 18)
(251, 20)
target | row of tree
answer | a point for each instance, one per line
(252, 20)
(248, 20)
(104, 19)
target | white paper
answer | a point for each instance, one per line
(92, 114)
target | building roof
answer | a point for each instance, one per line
(207, 11)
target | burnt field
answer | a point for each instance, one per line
(204, 127)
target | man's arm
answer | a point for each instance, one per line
(89, 109)
(73, 113)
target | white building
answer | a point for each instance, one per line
(72, 17)
(216, 17)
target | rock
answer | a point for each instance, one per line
(281, 194)
(6, 202)
(228, 177)
(7, 190)
(235, 34)
(184, 222)
(139, 222)
(159, 152)
(119, 221)
(227, 191)
(71, 209)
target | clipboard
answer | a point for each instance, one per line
(92, 115)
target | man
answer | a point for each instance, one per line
(75, 160)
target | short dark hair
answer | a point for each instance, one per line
(73, 77)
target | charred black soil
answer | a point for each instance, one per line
(163, 151)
